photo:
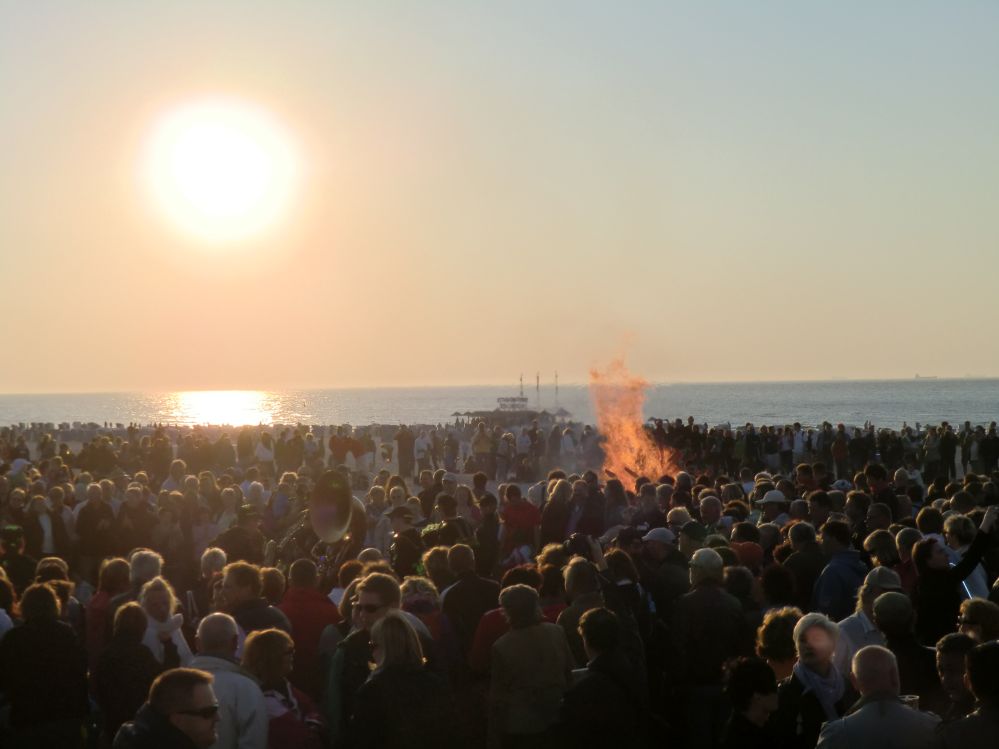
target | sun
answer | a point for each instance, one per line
(221, 170)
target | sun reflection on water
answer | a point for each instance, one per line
(228, 407)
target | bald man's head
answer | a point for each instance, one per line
(875, 671)
(217, 635)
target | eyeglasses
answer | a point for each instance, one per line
(205, 713)
(368, 608)
(965, 622)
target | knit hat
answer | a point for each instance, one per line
(892, 611)
(750, 553)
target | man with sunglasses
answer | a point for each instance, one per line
(180, 713)
(375, 596)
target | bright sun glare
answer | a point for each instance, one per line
(221, 170)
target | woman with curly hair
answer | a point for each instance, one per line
(421, 599)
(775, 640)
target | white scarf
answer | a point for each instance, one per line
(168, 627)
(156, 631)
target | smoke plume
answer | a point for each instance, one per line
(629, 451)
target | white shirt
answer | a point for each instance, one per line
(48, 541)
(975, 585)
(76, 510)
(242, 711)
(855, 632)
(226, 520)
(69, 521)
(523, 444)
(171, 484)
(5, 623)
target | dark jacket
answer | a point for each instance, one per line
(978, 731)
(554, 520)
(20, 570)
(938, 597)
(806, 565)
(800, 716)
(741, 733)
(835, 592)
(347, 673)
(447, 532)
(122, 678)
(917, 667)
(649, 519)
(96, 542)
(43, 673)
(402, 707)
(888, 496)
(258, 614)
(666, 581)
(34, 536)
(487, 540)
(130, 595)
(406, 552)
(568, 620)
(708, 629)
(150, 730)
(241, 545)
(604, 708)
(465, 602)
(428, 499)
(133, 526)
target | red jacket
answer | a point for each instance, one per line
(293, 723)
(309, 612)
(492, 626)
(97, 627)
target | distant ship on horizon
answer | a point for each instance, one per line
(926, 377)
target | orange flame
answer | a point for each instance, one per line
(629, 451)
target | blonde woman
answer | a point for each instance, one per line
(402, 704)
(421, 599)
(466, 506)
(163, 632)
(230, 504)
(555, 516)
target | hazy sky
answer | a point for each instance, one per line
(728, 191)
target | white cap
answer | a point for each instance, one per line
(774, 496)
(662, 535)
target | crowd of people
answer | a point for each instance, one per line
(789, 587)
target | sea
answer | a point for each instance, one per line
(887, 403)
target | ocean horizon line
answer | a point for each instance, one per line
(493, 386)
